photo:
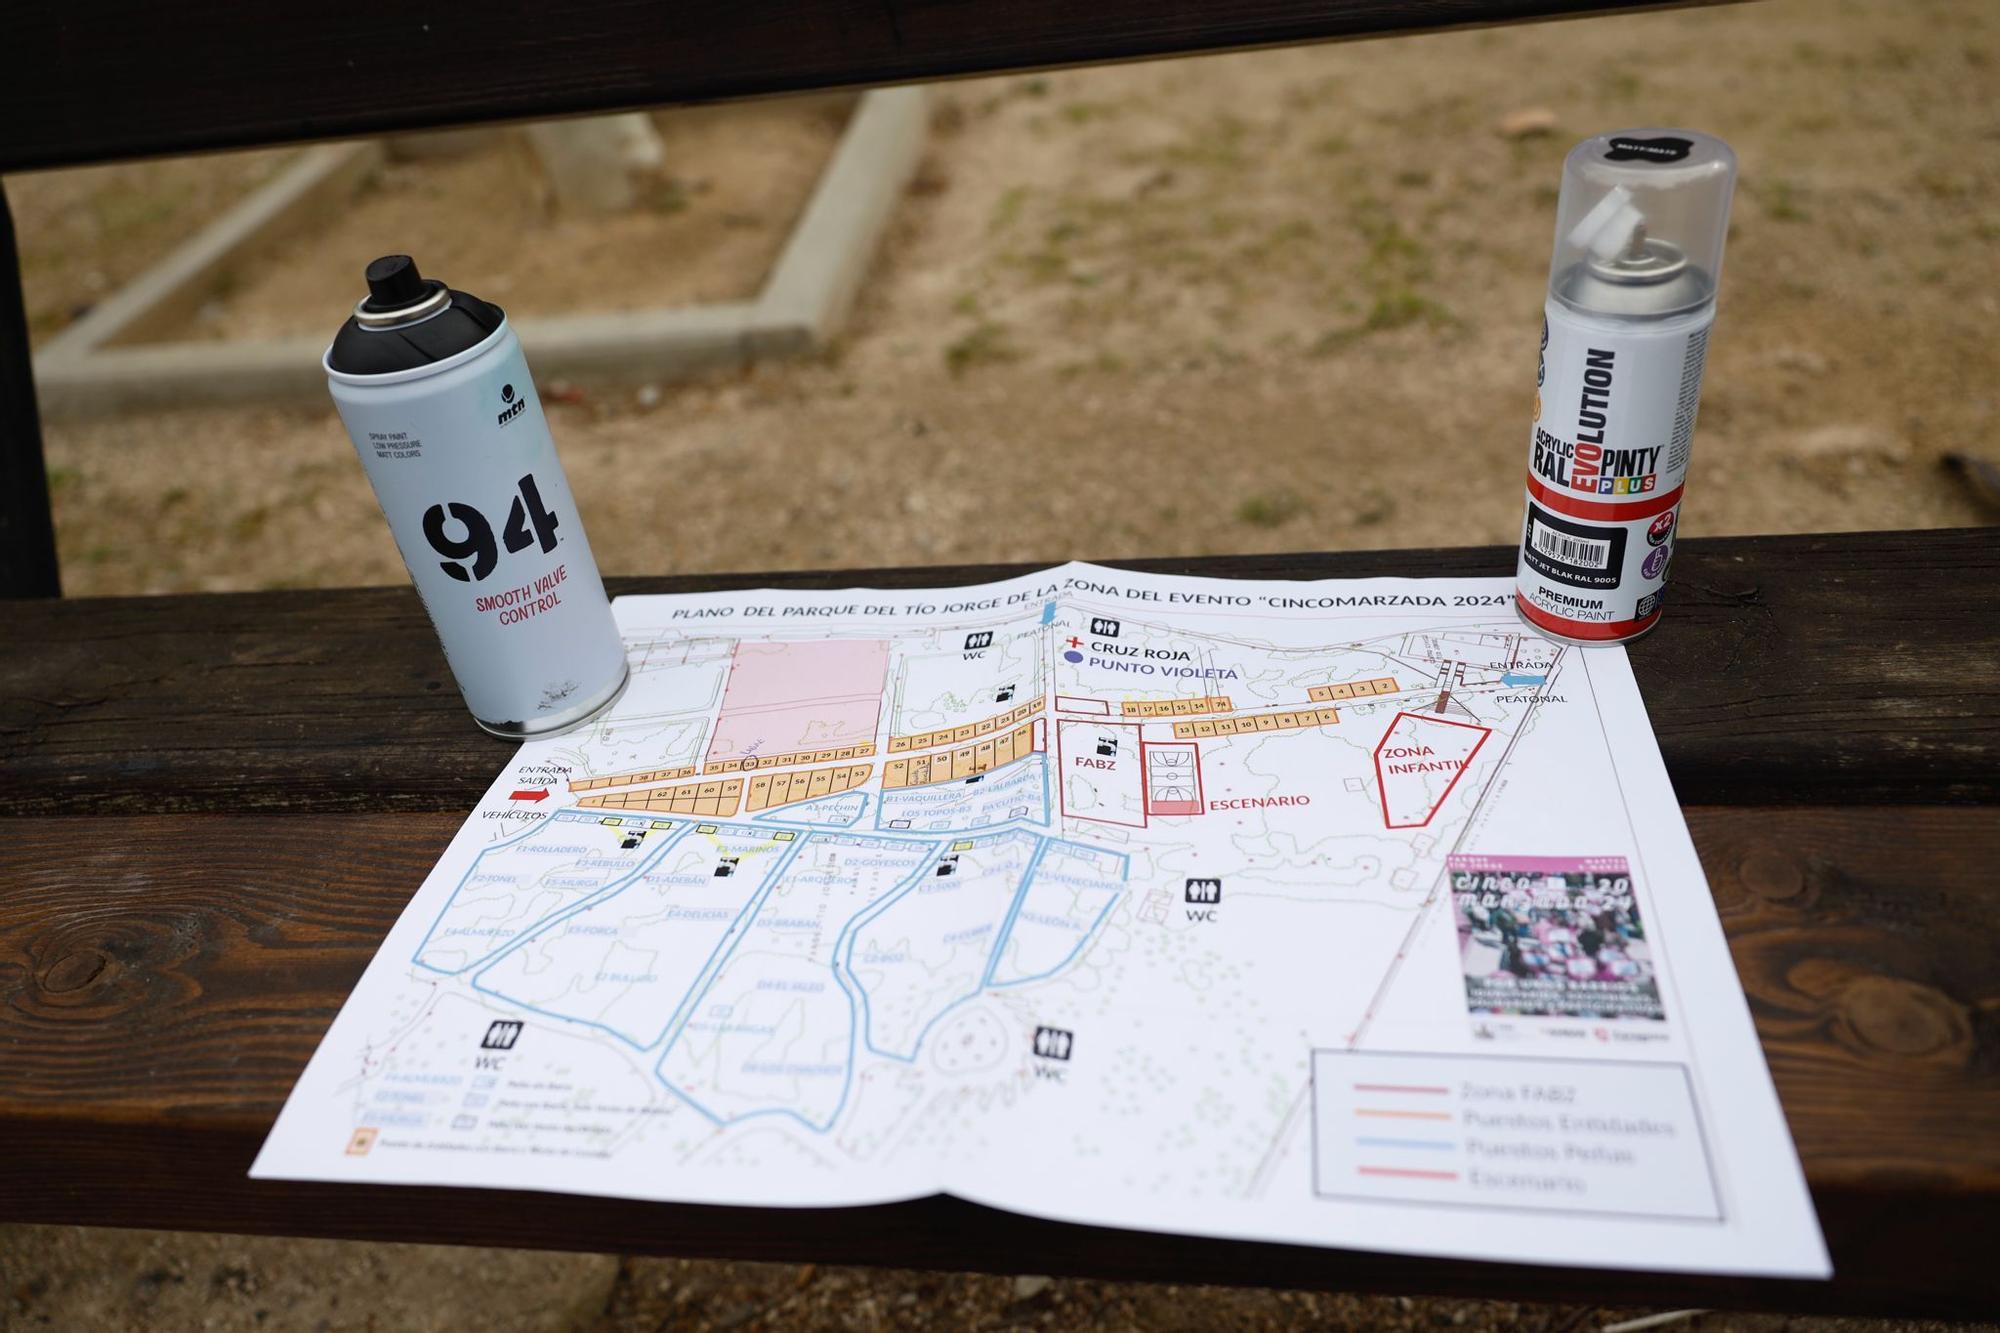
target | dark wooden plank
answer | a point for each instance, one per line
(1856, 668)
(27, 526)
(1902, 1251)
(92, 80)
(163, 979)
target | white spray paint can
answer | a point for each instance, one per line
(1640, 229)
(433, 388)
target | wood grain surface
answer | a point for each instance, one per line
(1860, 667)
(93, 80)
(164, 978)
(213, 808)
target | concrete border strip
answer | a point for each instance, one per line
(813, 285)
(804, 301)
(627, 347)
(174, 288)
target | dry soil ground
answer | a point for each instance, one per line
(707, 230)
(1278, 300)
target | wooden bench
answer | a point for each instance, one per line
(217, 805)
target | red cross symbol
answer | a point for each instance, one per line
(1075, 642)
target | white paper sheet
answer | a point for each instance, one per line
(1348, 913)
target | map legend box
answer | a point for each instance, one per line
(1475, 1131)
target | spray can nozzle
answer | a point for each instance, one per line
(1613, 239)
(1641, 233)
(1614, 227)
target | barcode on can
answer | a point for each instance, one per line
(1580, 551)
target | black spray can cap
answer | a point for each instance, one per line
(393, 282)
(408, 321)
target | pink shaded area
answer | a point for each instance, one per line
(783, 698)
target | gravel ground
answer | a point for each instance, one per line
(70, 1278)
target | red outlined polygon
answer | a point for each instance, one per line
(1464, 762)
(1078, 738)
(1172, 771)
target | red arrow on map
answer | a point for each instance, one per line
(538, 794)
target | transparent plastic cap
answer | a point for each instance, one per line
(1642, 221)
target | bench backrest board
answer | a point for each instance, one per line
(96, 80)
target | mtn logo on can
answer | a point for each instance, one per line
(515, 406)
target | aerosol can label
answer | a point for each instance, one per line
(465, 469)
(1607, 461)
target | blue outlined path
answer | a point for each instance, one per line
(772, 1029)
(762, 962)
(942, 940)
(629, 962)
(1067, 896)
(515, 885)
(928, 948)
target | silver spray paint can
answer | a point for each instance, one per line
(435, 393)
(1639, 236)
